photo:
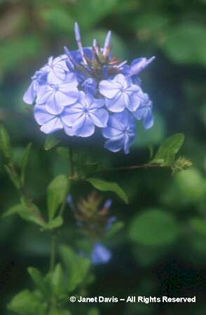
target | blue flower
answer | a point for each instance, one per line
(59, 94)
(144, 112)
(100, 254)
(120, 132)
(54, 71)
(57, 69)
(120, 93)
(38, 79)
(83, 116)
(89, 88)
(49, 121)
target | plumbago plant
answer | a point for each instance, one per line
(79, 93)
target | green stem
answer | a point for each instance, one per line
(133, 167)
(53, 251)
(71, 174)
(71, 162)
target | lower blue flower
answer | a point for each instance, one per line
(144, 112)
(100, 254)
(120, 132)
(50, 122)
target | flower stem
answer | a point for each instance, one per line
(132, 167)
(71, 161)
(53, 251)
(71, 174)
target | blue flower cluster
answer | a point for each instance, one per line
(89, 88)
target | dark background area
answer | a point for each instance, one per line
(173, 262)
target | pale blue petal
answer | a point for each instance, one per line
(41, 115)
(120, 78)
(54, 107)
(109, 88)
(71, 115)
(99, 117)
(114, 144)
(84, 127)
(116, 104)
(148, 120)
(45, 92)
(66, 99)
(69, 130)
(97, 103)
(30, 94)
(68, 87)
(110, 132)
(135, 101)
(52, 125)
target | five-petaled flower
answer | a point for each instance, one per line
(87, 113)
(120, 132)
(120, 93)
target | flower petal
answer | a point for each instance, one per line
(115, 144)
(41, 115)
(84, 127)
(68, 130)
(71, 115)
(30, 94)
(109, 88)
(52, 125)
(99, 117)
(135, 101)
(117, 104)
(148, 120)
(110, 132)
(120, 78)
(45, 92)
(66, 99)
(54, 107)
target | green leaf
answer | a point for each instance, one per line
(56, 193)
(54, 223)
(104, 185)
(13, 176)
(24, 163)
(5, 143)
(154, 227)
(51, 142)
(29, 213)
(165, 156)
(57, 281)
(76, 265)
(38, 280)
(28, 303)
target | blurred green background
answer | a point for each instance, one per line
(162, 248)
